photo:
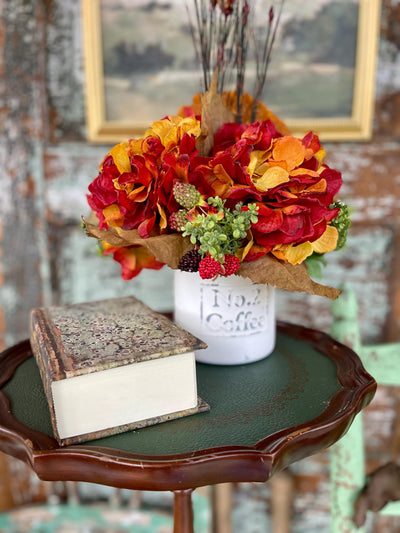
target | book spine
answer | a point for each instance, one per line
(41, 351)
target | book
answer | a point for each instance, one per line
(112, 366)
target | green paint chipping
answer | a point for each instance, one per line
(348, 474)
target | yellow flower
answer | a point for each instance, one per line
(121, 158)
(297, 254)
(263, 175)
(112, 216)
(171, 130)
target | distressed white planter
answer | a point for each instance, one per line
(233, 315)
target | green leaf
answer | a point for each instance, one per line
(314, 264)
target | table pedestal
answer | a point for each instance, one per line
(183, 511)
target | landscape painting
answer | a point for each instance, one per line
(149, 65)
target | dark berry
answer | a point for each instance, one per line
(190, 261)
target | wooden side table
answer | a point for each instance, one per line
(264, 416)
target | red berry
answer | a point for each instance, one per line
(231, 264)
(209, 267)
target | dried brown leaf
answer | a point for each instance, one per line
(214, 114)
(285, 276)
(169, 248)
(166, 248)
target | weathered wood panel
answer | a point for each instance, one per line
(78, 272)
(64, 71)
(24, 125)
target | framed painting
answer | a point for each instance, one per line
(140, 66)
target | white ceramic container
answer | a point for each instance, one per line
(233, 315)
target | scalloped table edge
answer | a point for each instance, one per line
(121, 469)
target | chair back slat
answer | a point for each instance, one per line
(383, 362)
(347, 475)
(391, 509)
(347, 455)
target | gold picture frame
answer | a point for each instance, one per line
(356, 126)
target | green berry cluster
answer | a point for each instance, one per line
(186, 195)
(221, 230)
(342, 222)
(177, 220)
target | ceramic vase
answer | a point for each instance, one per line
(233, 315)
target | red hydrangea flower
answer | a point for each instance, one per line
(134, 187)
(284, 175)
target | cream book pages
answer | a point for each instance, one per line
(124, 395)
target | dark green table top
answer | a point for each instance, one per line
(248, 402)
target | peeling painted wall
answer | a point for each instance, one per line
(46, 165)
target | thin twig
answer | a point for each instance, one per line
(261, 74)
(193, 35)
(221, 39)
(241, 58)
(203, 47)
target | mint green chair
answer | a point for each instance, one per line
(95, 508)
(347, 456)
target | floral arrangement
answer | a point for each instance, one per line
(221, 188)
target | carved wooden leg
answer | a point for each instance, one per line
(183, 511)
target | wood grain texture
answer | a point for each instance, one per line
(23, 120)
(183, 511)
